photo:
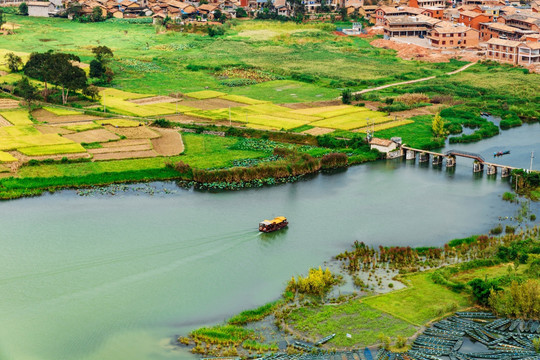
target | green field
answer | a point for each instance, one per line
(363, 322)
(307, 62)
(61, 111)
(420, 302)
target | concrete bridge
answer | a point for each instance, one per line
(450, 157)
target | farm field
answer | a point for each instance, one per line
(289, 62)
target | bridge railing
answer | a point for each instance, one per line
(466, 154)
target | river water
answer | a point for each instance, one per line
(117, 277)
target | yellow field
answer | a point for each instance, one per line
(275, 122)
(323, 109)
(120, 122)
(6, 157)
(82, 127)
(205, 94)
(385, 126)
(353, 121)
(17, 117)
(60, 111)
(122, 95)
(53, 149)
(242, 99)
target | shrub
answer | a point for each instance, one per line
(317, 282)
(346, 96)
(481, 289)
(496, 230)
(510, 229)
(521, 300)
(334, 160)
(414, 98)
(508, 196)
(163, 123)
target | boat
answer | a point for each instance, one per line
(501, 153)
(277, 223)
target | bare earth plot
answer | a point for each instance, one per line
(90, 136)
(140, 132)
(46, 116)
(47, 129)
(169, 144)
(318, 131)
(211, 104)
(8, 104)
(153, 100)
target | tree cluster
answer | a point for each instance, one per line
(317, 282)
(58, 69)
(99, 68)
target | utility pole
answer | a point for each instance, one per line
(230, 116)
(532, 157)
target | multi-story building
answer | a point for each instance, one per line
(473, 19)
(384, 12)
(514, 52)
(453, 37)
(522, 20)
(409, 26)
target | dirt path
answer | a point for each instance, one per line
(413, 81)
(169, 144)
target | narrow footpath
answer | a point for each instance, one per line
(413, 81)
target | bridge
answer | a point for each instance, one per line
(450, 157)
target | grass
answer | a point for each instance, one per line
(52, 149)
(242, 99)
(420, 302)
(60, 111)
(483, 272)
(82, 127)
(363, 322)
(353, 120)
(313, 62)
(416, 134)
(17, 117)
(253, 315)
(6, 157)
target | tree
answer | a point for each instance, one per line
(14, 62)
(346, 96)
(2, 18)
(69, 76)
(23, 9)
(39, 66)
(217, 14)
(241, 13)
(97, 14)
(438, 125)
(27, 91)
(103, 54)
(481, 289)
(343, 13)
(96, 69)
(92, 92)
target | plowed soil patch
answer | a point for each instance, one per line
(123, 143)
(46, 116)
(139, 132)
(411, 51)
(153, 100)
(318, 131)
(126, 155)
(48, 129)
(4, 122)
(211, 104)
(90, 136)
(8, 104)
(132, 148)
(170, 143)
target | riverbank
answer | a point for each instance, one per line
(439, 282)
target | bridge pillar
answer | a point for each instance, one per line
(437, 160)
(450, 161)
(410, 155)
(505, 172)
(491, 170)
(423, 157)
(478, 167)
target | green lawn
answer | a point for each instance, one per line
(420, 302)
(363, 322)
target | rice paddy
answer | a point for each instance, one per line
(205, 94)
(82, 127)
(61, 111)
(120, 122)
(17, 117)
(6, 157)
(52, 149)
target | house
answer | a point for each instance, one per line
(384, 12)
(529, 53)
(502, 31)
(522, 20)
(40, 8)
(427, 3)
(384, 146)
(473, 19)
(207, 10)
(434, 12)
(445, 37)
(503, 50)
(409, 26)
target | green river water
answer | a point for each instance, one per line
(119, 277)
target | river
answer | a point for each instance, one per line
(116, 277)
